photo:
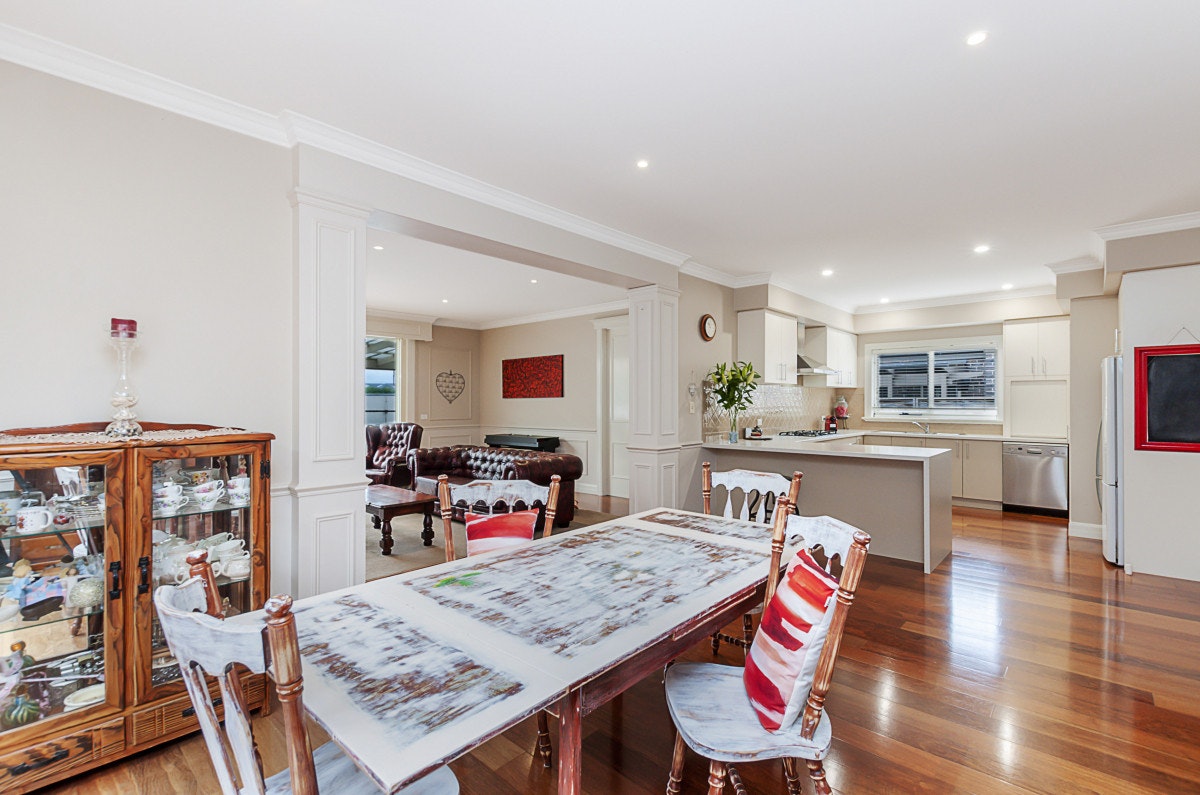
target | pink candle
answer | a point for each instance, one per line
(123, 328)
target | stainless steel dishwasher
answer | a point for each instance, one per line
(1035, 478)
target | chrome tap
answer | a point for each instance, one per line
(924, 428)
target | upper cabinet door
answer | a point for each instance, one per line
(768, 339)
(1021, 355)
(1054, 346)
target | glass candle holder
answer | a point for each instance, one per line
(123, 337)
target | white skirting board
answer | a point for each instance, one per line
(1083, 530)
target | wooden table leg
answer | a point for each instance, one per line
(570, 741)
(427, 532)
(385, 538)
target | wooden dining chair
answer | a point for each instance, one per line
(500, 514)
(204, 643)
(774, 707)
(757, 496)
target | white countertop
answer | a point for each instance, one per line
(842, 444)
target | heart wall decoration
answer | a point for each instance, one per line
(450, 384)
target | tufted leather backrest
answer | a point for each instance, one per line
(393, 442)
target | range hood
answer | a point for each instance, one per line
(805, 367)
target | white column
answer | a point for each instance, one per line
(328, 518)
(654, 397)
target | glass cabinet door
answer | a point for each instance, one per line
(60, 587)
(197, 498)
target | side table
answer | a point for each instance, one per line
(387, 502)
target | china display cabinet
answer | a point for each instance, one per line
(89, 526)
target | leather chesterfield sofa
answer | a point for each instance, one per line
(464, 463)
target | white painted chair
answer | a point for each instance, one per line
(204, 643)
(756, 495)
(712, 711)
(492, 500)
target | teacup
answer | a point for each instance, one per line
(208, 499)
(214, 540)
(169, 504)
(239, 496)
(228, 549)
(34, 518)
(233, 567)
(239, 483)
(168, 489)
(212, 486)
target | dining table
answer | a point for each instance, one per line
(411, 671)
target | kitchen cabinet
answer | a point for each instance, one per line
(982, 470)
(1037, 408)
(835, 349)
(768, 339)
(1037, 348)
(91, 527)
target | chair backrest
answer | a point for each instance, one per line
(760, 491)
(392, 442)
(495, 497)
(843, 548)
(204, 643)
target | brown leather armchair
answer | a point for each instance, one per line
(464, 463)
(387, 452)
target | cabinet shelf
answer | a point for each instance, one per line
(18, 623)
(220, 507)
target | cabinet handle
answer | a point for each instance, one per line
(114, 572)
(1043, 365)
(143, 575)
(190, 711)
(25, 767)
(1032, 366)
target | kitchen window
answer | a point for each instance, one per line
(951, 380)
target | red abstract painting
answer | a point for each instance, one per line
(533, 377)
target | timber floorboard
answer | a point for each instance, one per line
(1024, 663)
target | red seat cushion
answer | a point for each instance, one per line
(485, 533)
(783, 658)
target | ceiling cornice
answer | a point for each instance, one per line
(1075, 265)
(288, 129)
(1150, 226)
(54, 58)
(954, 300)
(693, 268)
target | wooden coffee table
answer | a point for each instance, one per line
(387, 502)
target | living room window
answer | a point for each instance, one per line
(949, 380)
(382, 380)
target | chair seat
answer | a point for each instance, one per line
(710, 708)
(336, 773)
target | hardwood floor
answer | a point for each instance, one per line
(1023, 664)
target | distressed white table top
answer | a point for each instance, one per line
(411, 671)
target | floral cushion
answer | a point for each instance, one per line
(783, 658)
(488, 532)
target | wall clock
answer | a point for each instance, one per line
(708, 327)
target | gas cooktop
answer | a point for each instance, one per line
(807, 433)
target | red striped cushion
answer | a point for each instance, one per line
(485, 533)
(783, 657)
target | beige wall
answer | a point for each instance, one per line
(1163, 250)
(969, 314)
(446, 422)
(112, 208)
(696, 357)
(1092, 323)
(1161, 529)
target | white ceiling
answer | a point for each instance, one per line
(784, 136)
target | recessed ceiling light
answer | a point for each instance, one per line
(884, 300)
(977, 38)
(982, 248)
(1006, 286)
(533, 281)
(378, 248)
(827, 272)
(445, 300)
(643, 164)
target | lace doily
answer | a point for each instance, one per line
(99, 437)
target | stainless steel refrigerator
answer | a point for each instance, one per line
(1108, 461)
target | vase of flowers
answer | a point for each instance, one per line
(733, 388)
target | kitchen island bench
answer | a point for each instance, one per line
(900, 495)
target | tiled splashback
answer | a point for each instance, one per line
(782, 407)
